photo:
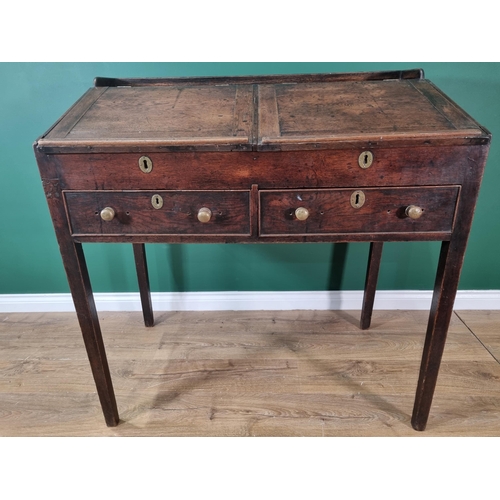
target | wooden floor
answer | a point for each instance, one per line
(293, 373)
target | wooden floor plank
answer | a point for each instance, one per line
(486, 326)
(261, 373)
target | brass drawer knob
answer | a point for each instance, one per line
(107, 214)
(302, 213)
(204, 214)
(413, 212)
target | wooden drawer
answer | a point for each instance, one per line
(331, 211)
(139, 212)
(270, 170)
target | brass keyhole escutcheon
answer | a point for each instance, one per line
(157, 201)
(145, 164)
(358, 199)
(365, 159)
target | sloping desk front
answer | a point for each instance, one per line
(367, 157)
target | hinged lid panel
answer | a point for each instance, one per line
(210, 117)
(272, 113)
(307, 115)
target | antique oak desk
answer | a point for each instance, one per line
(367, 157)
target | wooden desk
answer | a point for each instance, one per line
(368, 157)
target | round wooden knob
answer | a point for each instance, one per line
(413, 212)
(204, 214)
(302, 213)
(107, 214)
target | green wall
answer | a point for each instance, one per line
(34, 95)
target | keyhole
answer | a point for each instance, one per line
(157, 201)
(365, 159)
(145, 164)
(358, 199)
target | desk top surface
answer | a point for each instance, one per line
(291, 112)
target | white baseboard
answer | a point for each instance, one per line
(250, 301)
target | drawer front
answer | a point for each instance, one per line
(375, 210)
(270, 170)
(159, 212)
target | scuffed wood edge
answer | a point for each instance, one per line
(261, 79)
(74, 114)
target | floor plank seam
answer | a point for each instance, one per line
(289, 373)
(478, 339)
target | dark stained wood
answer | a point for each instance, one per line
(81, 291)
(135, 213)
(331, 211)
(415, 166)
(445, 289)
(374, 259)
(254, 211)
(245, 80)
(141, 266)
(287, 238)
(253, 149)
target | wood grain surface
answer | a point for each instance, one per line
(383, 210)
(293, 373)
(415, 166)
(239, 115)
(136, 214)
(389, 108)
(228, 133)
